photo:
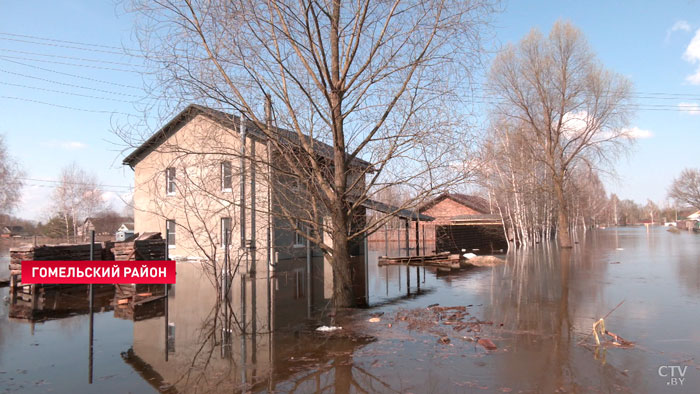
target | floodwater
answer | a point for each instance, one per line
(537, 309)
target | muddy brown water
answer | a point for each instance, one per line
(538, 310)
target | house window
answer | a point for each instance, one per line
(170, 181)
(170, 229)
(226, 176)
(299, 239)
(225, 229)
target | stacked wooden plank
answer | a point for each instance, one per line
(59, 302)
(139, 301)
(50, 252)
(148, 246)
(440, 260)
(16, 257)
(67, 252)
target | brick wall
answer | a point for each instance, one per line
(447, 208)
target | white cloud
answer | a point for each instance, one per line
(575, 123)
(692, 55)
(72, 145)
(637, 133)
(691, 108)
(67, 145)
(678, 26)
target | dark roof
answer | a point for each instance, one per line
(474, 202)
(224, 119)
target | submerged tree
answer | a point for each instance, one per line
(377, 81)
(570, 109)
(686, 188)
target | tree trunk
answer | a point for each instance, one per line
(65, 218)
(342, 275)
(343, 296)
(563, 234)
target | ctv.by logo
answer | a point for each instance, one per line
(674, 373)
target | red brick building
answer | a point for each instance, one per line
(449, 205)
(463, 223)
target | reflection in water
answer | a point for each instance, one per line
(262, 333)
(261, 337)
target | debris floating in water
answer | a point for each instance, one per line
(374, 320)
(328, 328)
(469, 256)
(599, 326)
(487, 344)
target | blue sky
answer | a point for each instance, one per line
(634, 38)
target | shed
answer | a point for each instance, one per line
(464, 223)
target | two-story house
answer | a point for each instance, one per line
(204, 177)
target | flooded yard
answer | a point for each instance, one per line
(536, 310)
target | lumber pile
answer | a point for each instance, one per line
(48, 303)
(148, 246)
(16, 257)
(440, 260)
(139, 302)
(53, 252)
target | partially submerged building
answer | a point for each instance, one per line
(464, 223)
(206, 180)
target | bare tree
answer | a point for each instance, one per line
(652, 210)
(573, 110)
(381, 82)
(76, 197)
(686, 188)
(10, 180)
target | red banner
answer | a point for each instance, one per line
(94, 272)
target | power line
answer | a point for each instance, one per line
(123, 51)
(70, 84)
(635, 94)
(75, 64)
(71, 58)
(64, 106)
(73, 75)
(64, 92)
(73, 183)
(59, 41)
(98, 187)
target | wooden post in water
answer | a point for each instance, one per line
(417, 238)
(408, 246)
(90, 302)
(418, 278)
(386, 239)
(308, 274)
(398, 235)
(167, 257)
(408, 280)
